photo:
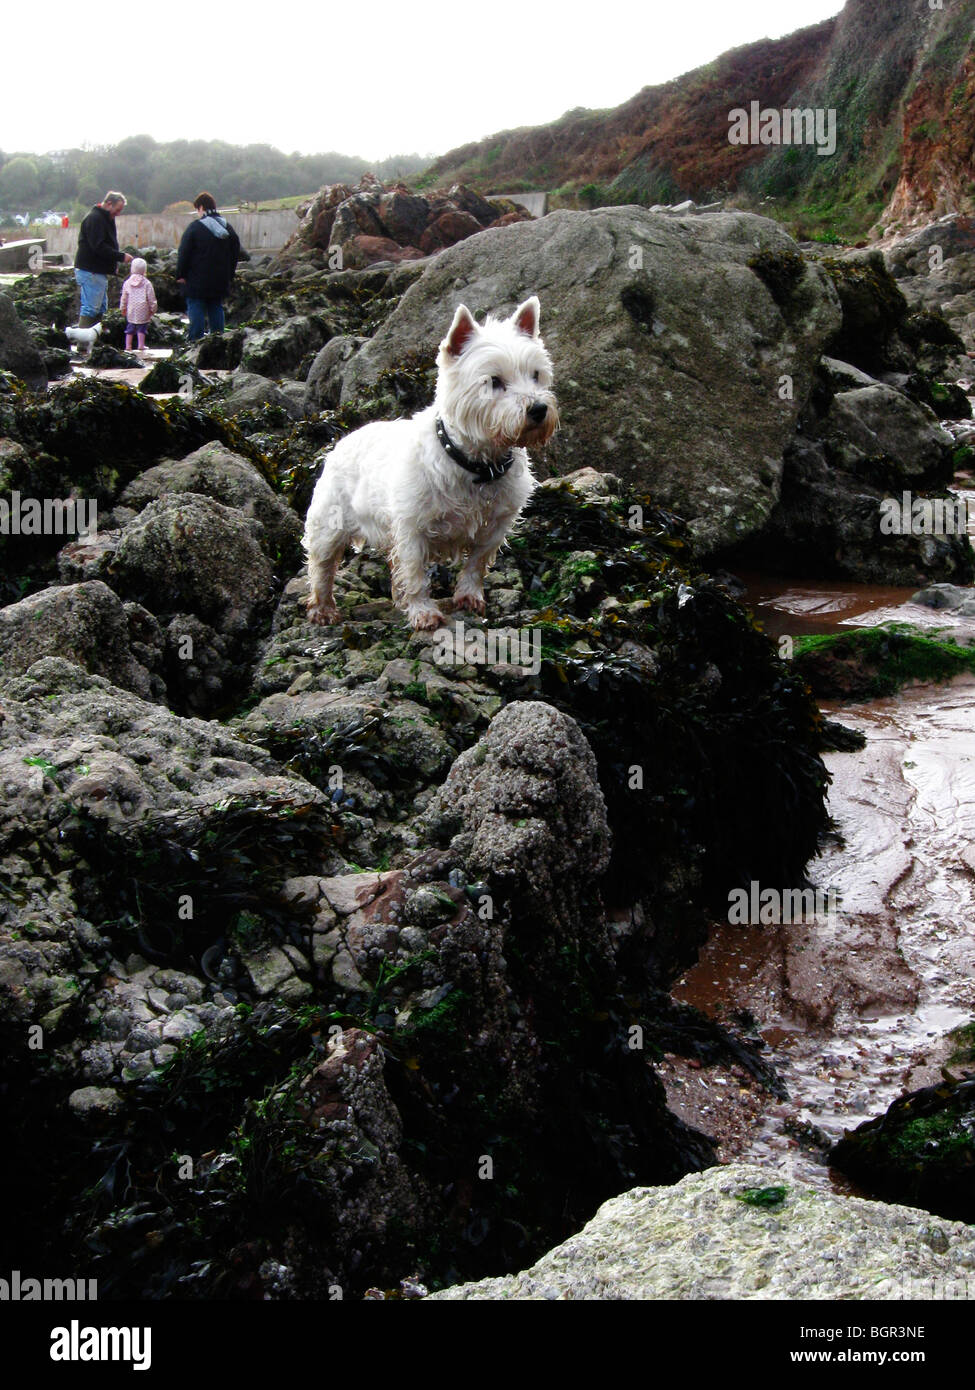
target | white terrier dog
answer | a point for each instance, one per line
(84, 337)
(446, 484)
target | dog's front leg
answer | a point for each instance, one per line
(469, 593)
(408, 563)
(322, 565)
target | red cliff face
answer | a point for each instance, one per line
(900, 77)
(937, 173)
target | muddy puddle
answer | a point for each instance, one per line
(805, 607)
(853, 1005)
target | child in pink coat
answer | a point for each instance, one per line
(138, 304)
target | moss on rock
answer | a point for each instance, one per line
(871, 662)
(920, 1152)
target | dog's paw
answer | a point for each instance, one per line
(427, 620)
(469, 603)
(322, 613)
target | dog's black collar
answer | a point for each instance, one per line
(483, 470)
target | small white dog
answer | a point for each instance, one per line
(446, 484)
(84, 337)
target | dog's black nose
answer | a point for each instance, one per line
(537, 412)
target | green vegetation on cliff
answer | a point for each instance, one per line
(902, 87)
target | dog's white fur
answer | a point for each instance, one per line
(391, 486)
(84, 337)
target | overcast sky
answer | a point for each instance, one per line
(369, 78)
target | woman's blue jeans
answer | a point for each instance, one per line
(200, 312)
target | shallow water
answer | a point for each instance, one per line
(797, 608)
(854, 1008)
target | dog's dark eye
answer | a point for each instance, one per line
(497, 383)
(534, 376)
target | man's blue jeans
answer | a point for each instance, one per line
(94, 293)
(199, 312)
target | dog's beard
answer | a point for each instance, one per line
(534, 436)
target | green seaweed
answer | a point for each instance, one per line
(765, 1197)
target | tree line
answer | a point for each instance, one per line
(154, 174)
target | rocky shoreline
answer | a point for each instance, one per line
(325, 962)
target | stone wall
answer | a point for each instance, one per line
(21, 254)
(258, 231)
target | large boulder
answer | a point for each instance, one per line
(743, 1232)
(89, 625)
(920, 1151)
(935, 270)
(216, 471)
(872, 423)
(526, 808)
(18, 353)
(671, 339)
(250, 393)
(275, 352)
(200, 568)
(862, 446)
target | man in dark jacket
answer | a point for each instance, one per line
(208, 254)
(97, 257)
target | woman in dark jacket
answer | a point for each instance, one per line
(208, 254)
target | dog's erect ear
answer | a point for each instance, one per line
(461, 331)
(525, 317)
